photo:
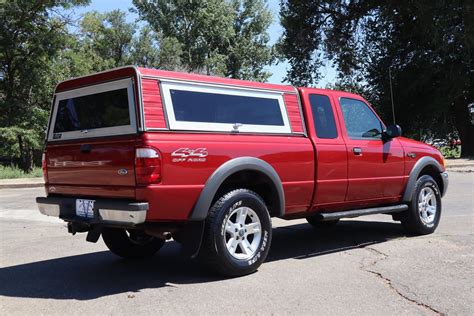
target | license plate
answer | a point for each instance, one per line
(85, 208)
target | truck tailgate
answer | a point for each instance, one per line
(92, 163)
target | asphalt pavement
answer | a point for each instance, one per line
(361, 266)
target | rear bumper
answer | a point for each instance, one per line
(105, 211)
(445, 177)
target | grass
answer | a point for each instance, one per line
(13, 172)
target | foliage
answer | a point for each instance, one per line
(226, 38)
(31, 35)
(40, 45)
(13, 172)
(427, 45)
(451, 152)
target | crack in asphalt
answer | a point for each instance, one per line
(389, 281)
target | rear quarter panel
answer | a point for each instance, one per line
(182, 181)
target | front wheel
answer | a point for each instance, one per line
(237, 234)
(131, 243)
(424, 210)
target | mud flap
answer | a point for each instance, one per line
(192, 238)
(94, 233)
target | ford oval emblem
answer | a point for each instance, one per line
(122, 172)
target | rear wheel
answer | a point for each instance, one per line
(425, 208)
(237, 234)
(131, 243)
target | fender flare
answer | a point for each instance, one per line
(415, 172)
(203, 204)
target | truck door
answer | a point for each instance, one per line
(330, 149)
(375, 166)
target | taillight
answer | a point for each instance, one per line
(147, 166)
(44, 167)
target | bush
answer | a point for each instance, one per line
(13, 172)
(451, 152)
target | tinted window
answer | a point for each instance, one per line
(323, 116)
(360, 121)
(106, 109)
(192, 106)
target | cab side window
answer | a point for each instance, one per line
(323, 116)
(360, 121)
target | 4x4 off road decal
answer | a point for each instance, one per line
(189, 155)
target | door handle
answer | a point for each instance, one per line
(357, 151)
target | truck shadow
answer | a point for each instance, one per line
(94, 275)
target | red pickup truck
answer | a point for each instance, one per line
(140, 156)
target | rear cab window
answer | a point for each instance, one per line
(99, 110)
(323, 116)
(203, 107)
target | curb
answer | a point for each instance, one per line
(20, 185)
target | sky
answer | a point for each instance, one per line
(275, 31)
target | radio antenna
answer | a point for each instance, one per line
(391, 93)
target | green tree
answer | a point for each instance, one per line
(427, 45)
(31, 35)
(249, 52)
(106, 39)
(226, 38)
(144, 51)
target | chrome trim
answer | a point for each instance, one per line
(122, 216)
(49, 209)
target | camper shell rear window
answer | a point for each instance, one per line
(99, 110)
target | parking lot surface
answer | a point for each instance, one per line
(361, 266)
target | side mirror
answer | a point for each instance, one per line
(392, 131)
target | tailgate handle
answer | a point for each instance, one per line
(85, 148)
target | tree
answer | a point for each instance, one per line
(249, 52)
(427, 45)
(31, 35)
(106, 38)
(107, 41)
(226, 38)
(144, 51)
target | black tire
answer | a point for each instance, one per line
(131, 244)
(214, 252)
(321, 225)
(413, 219)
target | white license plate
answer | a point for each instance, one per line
(85, 208)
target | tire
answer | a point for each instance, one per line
(424, 211)
(237, 234)
(321, 225)
(131, 244)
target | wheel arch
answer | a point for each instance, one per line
(235, 171)
(424, 166)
